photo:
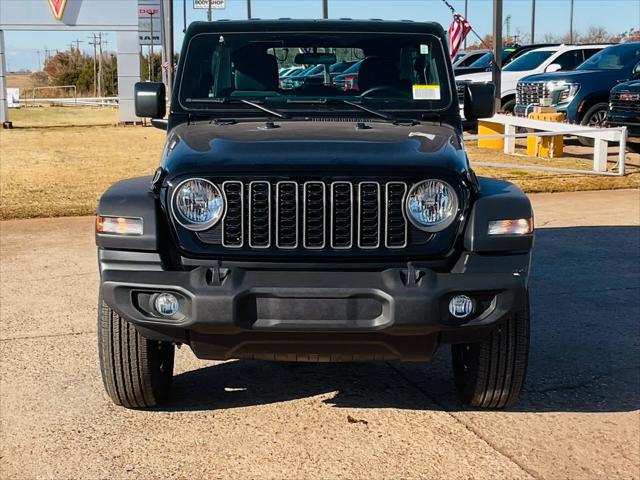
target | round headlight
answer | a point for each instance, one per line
(197, 204)
(432, 205)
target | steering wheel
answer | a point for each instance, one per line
(384, 88)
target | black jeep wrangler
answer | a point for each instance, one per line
(314, 224)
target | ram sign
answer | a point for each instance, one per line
(149, 11)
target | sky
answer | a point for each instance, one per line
(552, 16)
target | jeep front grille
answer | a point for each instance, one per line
(312, 215)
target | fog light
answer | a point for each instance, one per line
(461, 306)
(166, 304)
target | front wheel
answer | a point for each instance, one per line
(595, 117)
(136, 372)
(509, 106)
(491, 373)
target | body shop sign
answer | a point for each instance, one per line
(204, 4)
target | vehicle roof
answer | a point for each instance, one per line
(291, 25)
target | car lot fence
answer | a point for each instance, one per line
(541, 128)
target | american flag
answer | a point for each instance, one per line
(458, 31)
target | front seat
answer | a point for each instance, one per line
(255, 72)
(376, 72)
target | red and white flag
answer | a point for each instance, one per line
(458, 31)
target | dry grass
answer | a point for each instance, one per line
(60, 171)
(46, 117)
(48, 171)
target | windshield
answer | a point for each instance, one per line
(395, 72)
(613, 58)
(528, 61)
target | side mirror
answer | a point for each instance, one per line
(150, 99)
(479, 100)
(554, 67)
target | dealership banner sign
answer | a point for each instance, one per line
(149, 11)
(204, 4)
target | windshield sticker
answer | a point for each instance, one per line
(426, 92)
(424, 49)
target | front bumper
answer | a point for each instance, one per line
(321, 312)
(631, 120)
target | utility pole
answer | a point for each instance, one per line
(571, 23)
(507, 23)
(151, 48)
(466, 11)
(101, 71)
(533, 21)
(209, 12)
(497, 51)
(249, 9)
(94, 43)
(39, 61)
(168, 42)
(100, 66)
(184, 16)
(325, 8)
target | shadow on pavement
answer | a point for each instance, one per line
(585, 350)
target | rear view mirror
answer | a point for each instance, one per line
(554, 67)
(315, 58)
(150, 99)
(479, 100)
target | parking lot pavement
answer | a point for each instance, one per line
(578, 416)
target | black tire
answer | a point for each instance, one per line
(491, 373)
(136, 372)
(596, 116)
(509, 106)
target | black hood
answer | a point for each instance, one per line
(312, 147)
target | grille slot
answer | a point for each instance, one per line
(369, 215)
(395, 221)
(341, 215)
(233, 224)
(287, 215)
(260, 214)
(314, 215)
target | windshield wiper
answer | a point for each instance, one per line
(364, 108)
(239, 100)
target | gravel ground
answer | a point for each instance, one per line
(578, 417)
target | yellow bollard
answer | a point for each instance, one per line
(489, 128)
(546, 147)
